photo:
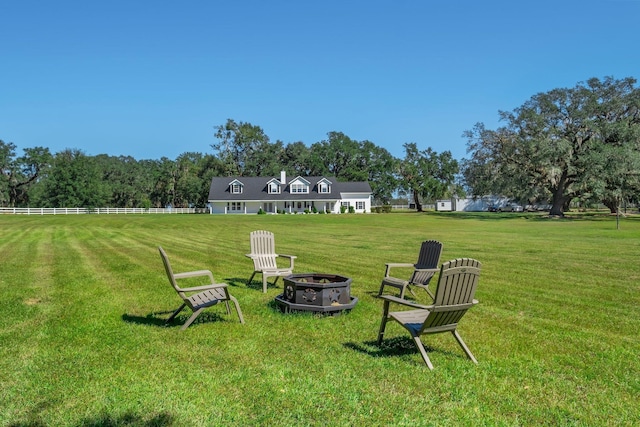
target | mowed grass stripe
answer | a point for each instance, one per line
(555, 331)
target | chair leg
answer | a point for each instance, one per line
(235, 302)
(175, 313)
(423, 352)
(381, 288)
(251, 278)
(192, 318)
(430, 293)
(264, 283)
(410, 290)
(464, 346)
(226, 303)
(401, 288)
(383, 323)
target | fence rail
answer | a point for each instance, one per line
(80, 211)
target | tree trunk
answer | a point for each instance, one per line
(558, 202)
(612, 205)
(416, 200)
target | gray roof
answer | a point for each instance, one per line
(255, 188)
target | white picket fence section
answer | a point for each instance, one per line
(80, 211)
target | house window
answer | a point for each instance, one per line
(234, 206)
(360, 206)
(274, 188)
(299, 188)
(323, 187)
(345, 204)
(236, 188)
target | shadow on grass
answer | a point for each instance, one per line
(133, 420)
(237, 282)
(495, 216)
(255, 284)
(534, 216)
(106, 420)
(159, 319)
(394, 347)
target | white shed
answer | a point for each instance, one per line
(444, 205)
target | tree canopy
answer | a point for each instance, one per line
(579, 142)
(18, 174)
(427, 175)
(72, 178)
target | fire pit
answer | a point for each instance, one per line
(325, 293)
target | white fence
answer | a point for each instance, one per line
(80, 211)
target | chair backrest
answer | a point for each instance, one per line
(169, 270)
(263, 249)
(429, 257)
(263, 243)
(457, 285)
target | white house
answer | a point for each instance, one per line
(244, 195)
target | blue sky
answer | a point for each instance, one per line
(152, 79)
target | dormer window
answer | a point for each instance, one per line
(236, 187)
(324, 186)
(274, 187)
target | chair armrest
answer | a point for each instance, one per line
(204, 287)
(402, 301)
(389, 265)
(290, 257)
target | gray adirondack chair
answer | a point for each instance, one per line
(423, 270)
(200, 297)
(264, 257)
(457, 285)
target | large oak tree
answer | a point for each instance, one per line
(560, 145)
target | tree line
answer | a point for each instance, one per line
(569, 144)
(71, 178)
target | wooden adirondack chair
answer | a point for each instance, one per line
(423, 270)
(263, 253)
(200, 297)
(457, 285)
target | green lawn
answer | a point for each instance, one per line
(82, 341)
